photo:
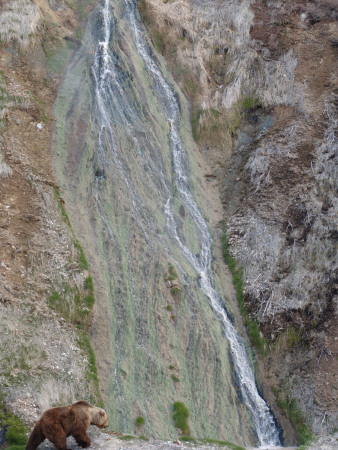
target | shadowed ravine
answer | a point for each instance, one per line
(121, 151)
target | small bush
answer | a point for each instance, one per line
(139, 421)
(175, 290)
(172, 272)
(180, 416)
(15, 433)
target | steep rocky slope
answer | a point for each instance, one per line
(262, 82)
(45, 288)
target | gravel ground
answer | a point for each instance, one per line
(113, 441)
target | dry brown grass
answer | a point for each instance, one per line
(19, 20)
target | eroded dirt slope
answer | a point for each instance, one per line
(44, 287)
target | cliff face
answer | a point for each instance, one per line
(44, 358)
(114, 158)
(262, 81)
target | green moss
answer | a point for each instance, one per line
(169, 308)
(158, 41)
(15, 432)
(127, 437)
(144, 438)
(188, 439)
(62, 208)
(82, 258)
(291, 409)
(195, 117)
(89, 284)
(180, 416)
(79, 33)
(91, 372)
(139, 421)
(237, 277)
(72, 304)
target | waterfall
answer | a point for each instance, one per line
(262, 417)
(122, 138)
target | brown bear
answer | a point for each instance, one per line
(56, 424)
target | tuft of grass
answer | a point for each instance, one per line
(169, 308)
(180, 416)
(143, 437)
(175, 378)
(237, 277)
(139, 421)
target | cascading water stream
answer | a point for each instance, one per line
(263, 420)
(110, 97)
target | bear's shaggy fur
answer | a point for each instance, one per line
(56, 424)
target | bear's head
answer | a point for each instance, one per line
(99, 417)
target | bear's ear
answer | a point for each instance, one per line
(102, 414)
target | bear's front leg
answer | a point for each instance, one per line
(82, 438)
